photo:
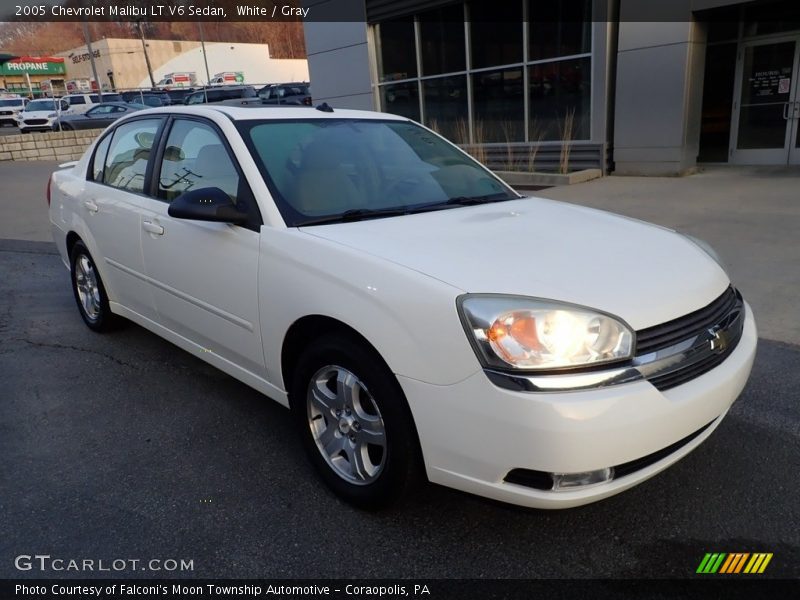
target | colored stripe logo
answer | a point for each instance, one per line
(734, 562)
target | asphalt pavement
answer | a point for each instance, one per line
(123, 446)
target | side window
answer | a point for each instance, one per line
(100, 158)
(195, 158)
(127, 157)
(77, 100)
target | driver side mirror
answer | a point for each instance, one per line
(207, 204)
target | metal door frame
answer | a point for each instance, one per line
(788, 154)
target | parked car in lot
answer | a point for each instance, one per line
(177, 95)
(41, 115)
(417, 315)
(80, 103)
(10, 109)
(99, 116)
(107, 97)
(286, 93)
(152, 99)
(219, 94)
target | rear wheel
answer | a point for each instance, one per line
(90, 294)
(355, 423)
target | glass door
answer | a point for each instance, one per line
(793, 114)
(767, 111)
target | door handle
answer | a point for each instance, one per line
(151, 227)
(90, 206)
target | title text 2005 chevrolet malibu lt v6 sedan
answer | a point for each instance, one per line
(416, 314)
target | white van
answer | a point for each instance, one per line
(79, 103)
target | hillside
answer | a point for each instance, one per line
(285, 39)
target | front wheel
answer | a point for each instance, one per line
(90, 294)
(354, 422)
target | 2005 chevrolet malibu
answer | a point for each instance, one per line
(418, 316)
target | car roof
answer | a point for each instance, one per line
(237, 113)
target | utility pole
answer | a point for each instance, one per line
(88, 39)
(205, 55)
(146, 57)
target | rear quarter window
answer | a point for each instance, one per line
(99, 159)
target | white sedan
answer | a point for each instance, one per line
(418, 316)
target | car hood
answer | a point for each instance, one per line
(642, 273)
(37, 114)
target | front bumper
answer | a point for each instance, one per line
(474, 433)
(46, 126)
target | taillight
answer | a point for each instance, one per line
(307, 101)
(49, 183)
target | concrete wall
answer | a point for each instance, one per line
(339, 60)
(59, 145)
(659, 93)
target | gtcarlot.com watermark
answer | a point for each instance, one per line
(47, 563)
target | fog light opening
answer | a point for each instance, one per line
(571, 481)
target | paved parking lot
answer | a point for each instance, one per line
(121, 445)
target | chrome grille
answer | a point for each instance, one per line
(697, 342)
(670, 333)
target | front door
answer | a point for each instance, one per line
(766, 116)
(203, 275)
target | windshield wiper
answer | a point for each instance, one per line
(472, 200)
(359, 214)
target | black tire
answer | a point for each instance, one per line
(401, 464)
(100, 319)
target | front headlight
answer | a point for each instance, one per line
(52, 115)
(528, 333)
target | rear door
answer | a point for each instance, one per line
(112, 206)
(204, 275)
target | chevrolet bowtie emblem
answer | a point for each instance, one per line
(720, 340)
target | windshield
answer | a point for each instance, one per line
(40, 105)
(324, 170)
(12, 102)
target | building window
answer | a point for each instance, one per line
(401, 99)
(499, 105)
(477, 72)
(396, 51)
(495, 33)
(559, 99)
(441, 34)
(446, 107)
(559, 28)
